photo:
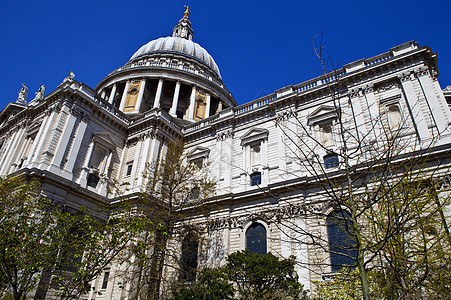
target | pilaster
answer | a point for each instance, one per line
(66, 134)
(414, 105)
(439, 110)
(76, 145)
(373, 111)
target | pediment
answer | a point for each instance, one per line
(254, 134)
(198, 152)
(104, 138)
(322, 113)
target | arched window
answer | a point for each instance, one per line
(256, 239)
(190, 247)
(341, 242)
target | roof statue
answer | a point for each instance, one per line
(186, 14)
(69, 78)
(40, 93)
(23, 93)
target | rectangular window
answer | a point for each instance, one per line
(129, 168)
(256, 178)
(105, 280)
(93, 180)
(331, 161)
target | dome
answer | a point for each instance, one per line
(178, 45)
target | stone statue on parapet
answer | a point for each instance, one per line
(187, 11)
(23, 93)
(40, 93)
(69, 78)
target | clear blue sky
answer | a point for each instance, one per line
(259, 46)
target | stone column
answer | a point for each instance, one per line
(103, 94)
(112, 94)
(219, 107)
(175, 100)
(76, 144)
(6, 164)
(36, 140)
(64, 140)
(124, 96)
(157, 100)
(207, 109)
(21, 153)
(12, 156)
(414, 105)
(140, 96)
(192, 103)
(8, 143)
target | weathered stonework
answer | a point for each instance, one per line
(165, 93)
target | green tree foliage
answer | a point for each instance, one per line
(175, 188)
(253, 276)
(211, 285)
(265, 276)
(345, 286)
(90, 244)
(44, 243)
(28, 226)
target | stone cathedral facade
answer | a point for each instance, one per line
(171, 88)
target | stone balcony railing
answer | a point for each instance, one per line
(149, 62)
(305, 86)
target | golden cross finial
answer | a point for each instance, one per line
(187, 11)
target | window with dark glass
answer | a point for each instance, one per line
(198, 162)
(256, 239)
(341, 243)
(129, 168)
(331, 161)
(195, 193)
(256, 178)
(190, 247)
(93, 180)
(106, 275)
